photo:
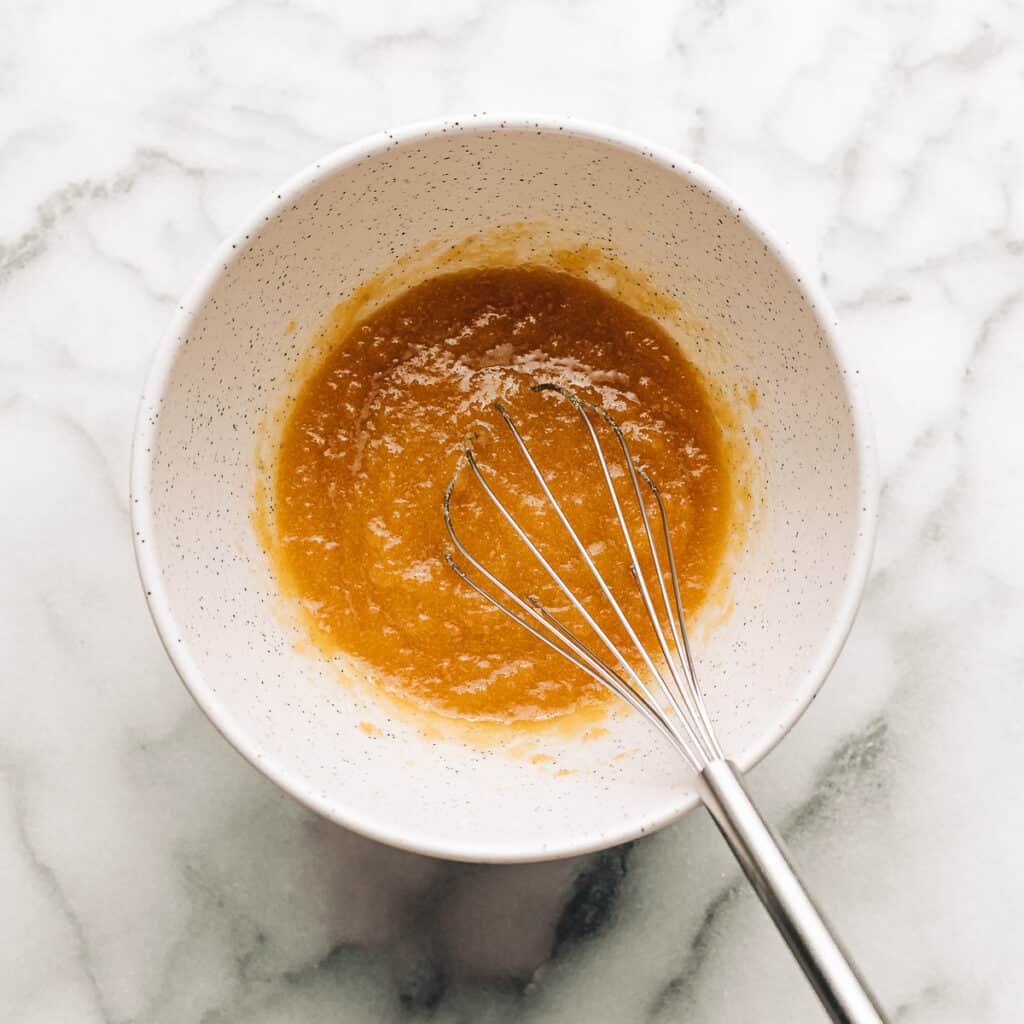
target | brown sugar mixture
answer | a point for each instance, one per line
(379, 429)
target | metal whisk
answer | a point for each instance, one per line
(646, 681)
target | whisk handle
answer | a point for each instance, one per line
(763, 858)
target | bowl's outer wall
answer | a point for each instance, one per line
(228, 357)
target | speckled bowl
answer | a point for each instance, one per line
(227, 359)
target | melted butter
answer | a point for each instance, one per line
(374, 437)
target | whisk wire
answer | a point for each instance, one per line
(689, 727)
(680, 693)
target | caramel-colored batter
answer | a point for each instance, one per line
(378, 430)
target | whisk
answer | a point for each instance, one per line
(650, 680)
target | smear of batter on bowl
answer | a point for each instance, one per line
(377, 431)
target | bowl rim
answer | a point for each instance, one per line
(158, 378)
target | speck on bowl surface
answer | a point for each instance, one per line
(226, 359)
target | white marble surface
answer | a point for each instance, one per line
(148, 874)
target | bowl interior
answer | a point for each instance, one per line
(231, 356)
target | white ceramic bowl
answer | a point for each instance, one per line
(226, 358)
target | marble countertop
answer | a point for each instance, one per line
(147, 874)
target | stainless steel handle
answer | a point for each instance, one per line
(760, 853)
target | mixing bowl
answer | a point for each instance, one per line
(759, 330)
